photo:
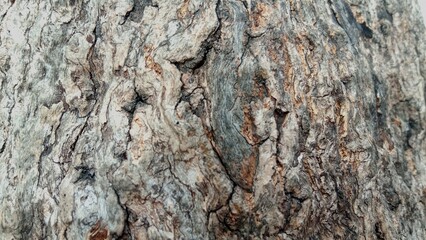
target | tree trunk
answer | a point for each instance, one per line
(221, 119)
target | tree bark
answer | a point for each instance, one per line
(221, 119)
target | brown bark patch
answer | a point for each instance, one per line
(89, 38)
(258, 17)
(183, 12)
(288, 70)
(150, 63)
(248, 170)
(249, 128)
(99, 232)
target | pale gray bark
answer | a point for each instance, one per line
(222, 119)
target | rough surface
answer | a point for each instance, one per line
(221, 119)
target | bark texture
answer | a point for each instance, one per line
(219, 119)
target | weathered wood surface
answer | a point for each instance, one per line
(222, 119)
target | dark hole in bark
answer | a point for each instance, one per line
(86, 173)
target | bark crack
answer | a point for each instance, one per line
(135, 14)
